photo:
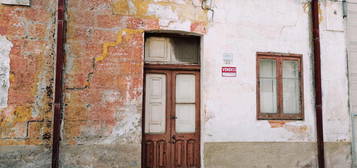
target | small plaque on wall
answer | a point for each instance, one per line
(229, 71)
(334, 16)
(16, 2)
(228, 58)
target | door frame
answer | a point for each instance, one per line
(164, 68)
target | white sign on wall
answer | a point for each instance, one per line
(228, 58)
(229, 71)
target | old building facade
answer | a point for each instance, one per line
(176, 83)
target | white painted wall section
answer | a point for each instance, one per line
(5, 48)
(230, 103)
(352, 61)
(273, 26)
(243, 28)
(16, 2)
(334, 73)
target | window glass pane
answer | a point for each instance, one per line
(185, 88)
(185, 103)
(185, 50)
(172, 50)
(291, 88)
(267, 68)
(155, 103)
(268, 86)
(185, 122)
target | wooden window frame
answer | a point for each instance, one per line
(169, 64)
(280, 115)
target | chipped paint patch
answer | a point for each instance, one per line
(289, 126)
(276, 124)
(165, 13)
(175, 1)
(118, 41)
(111, 96)
(321, 13)
(199, 27)
(121, 7)
(5, 48)
(128, 124)
(297, 129)
(131, 7)
(12, 121)
(306, 7)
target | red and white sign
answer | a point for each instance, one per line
(229, 71)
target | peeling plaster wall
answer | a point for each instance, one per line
(286, 29)
(27, 48)
(337, 124)
(274, 26)
(103, 75)
(104, 85)
(104, 80)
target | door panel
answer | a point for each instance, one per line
(156, 154)
(179, 154)
(157, 134)
(186, 126)
(155, 103)
(161, 154)
(191, 153)
(185, 122)
(172, 130)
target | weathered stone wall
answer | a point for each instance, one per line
(27, 49)
(104, 75)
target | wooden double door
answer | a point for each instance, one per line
(171, 119)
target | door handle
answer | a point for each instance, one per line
(173, 139)
(173, 117)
